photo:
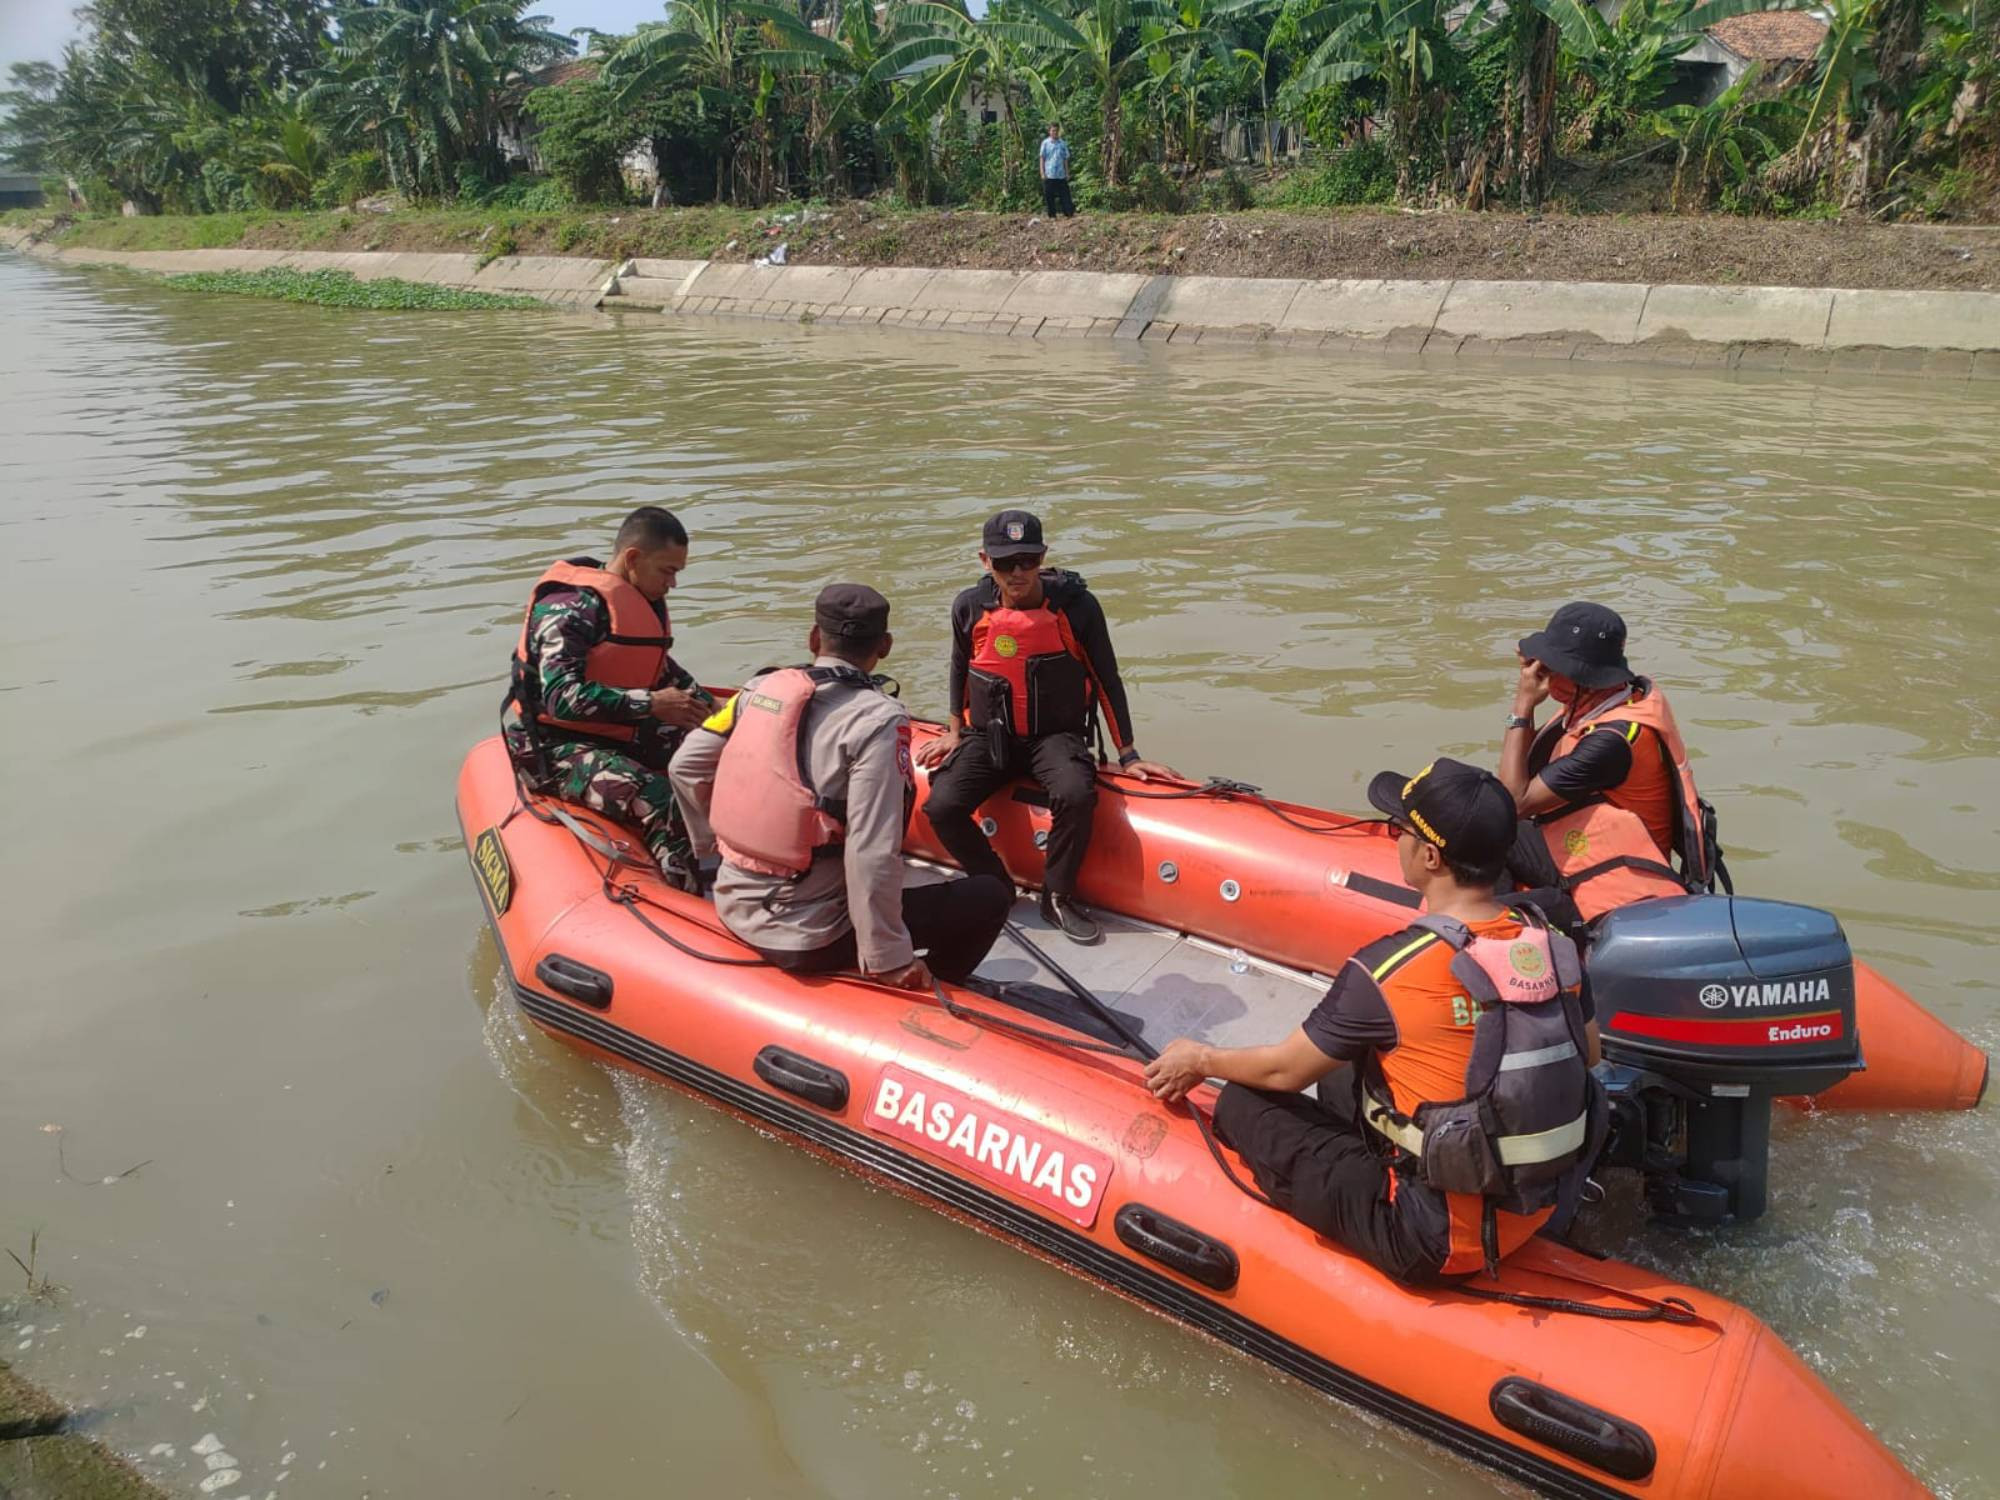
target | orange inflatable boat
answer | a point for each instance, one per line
(1009, 1104)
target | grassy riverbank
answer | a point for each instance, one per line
(1365, 243)
(339, 289)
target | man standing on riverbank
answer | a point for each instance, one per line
(1056, 200)
(598, 704)
(1031, 666)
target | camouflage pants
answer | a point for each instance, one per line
(624, 790)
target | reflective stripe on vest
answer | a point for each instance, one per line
(766, 816)
(1607, 856)
(1011, 646)
(629, 658)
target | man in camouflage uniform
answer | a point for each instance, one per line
(622, 774)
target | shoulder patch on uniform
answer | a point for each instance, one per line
(903, 761)
(722, 720)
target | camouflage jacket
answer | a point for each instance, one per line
(562, 627)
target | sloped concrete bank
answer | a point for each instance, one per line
(1941, 334)
(562, 281)
(41, 1460)
(1950, 335)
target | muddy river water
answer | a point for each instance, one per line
(263, 564)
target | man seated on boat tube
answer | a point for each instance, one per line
(597, 702)
(1606, 781)
(803, 780)
(1031, 667)
(1464, 1114)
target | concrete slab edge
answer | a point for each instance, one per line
(1950, 335)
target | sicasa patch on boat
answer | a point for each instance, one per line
(1062, 1175)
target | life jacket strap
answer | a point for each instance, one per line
(1398, 1130)
(1513, 1150)
(1623, 862)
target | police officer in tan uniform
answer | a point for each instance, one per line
(847, 909)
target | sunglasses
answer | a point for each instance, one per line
(1017, 562)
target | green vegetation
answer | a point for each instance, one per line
(339, 289)
(237, 106)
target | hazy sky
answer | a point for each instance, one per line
(32, 29)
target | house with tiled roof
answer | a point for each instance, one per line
(1779, 43)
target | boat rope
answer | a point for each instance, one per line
(1664, 1310)
(1223, 789)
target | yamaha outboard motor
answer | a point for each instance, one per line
(1708, 1007)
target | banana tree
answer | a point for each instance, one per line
(1726, 142)
(1535, 32)
(936, 54)
(1099, 44)
(1193, 59)
(424, 78)
(1396, 43)
(695, 48)
(834, 72)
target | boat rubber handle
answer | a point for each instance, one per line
(1568, 1425)
(1180, 1247)
(579, 981)
(795, 1073)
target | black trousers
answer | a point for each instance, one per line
(1060, 762)
(1056, 199)
(953, 924)
(1312, 1161)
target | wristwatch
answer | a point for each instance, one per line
(1520, 721)
(1129, 754)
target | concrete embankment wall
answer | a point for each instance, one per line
(1943, 334)
(1953, 335)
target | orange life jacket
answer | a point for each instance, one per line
(1027, 672)
(1487, 1094)
(766, 816)
(1607, 855)
(630, 656)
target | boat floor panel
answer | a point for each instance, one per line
(1162, 983)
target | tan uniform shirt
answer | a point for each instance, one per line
(857, 747)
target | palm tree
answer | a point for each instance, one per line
(424, 79)
(1099, 45)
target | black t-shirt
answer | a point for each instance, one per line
(1601, 760)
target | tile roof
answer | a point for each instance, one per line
(576, 70)
(1770, 35)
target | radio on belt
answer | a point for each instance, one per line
(1708, 1007)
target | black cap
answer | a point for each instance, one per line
(1464, 811)
(851, 612)
(1012, 533)
(1583, 642)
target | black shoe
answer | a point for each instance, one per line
(1063, 914)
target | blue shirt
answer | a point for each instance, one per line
(1055, 158)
